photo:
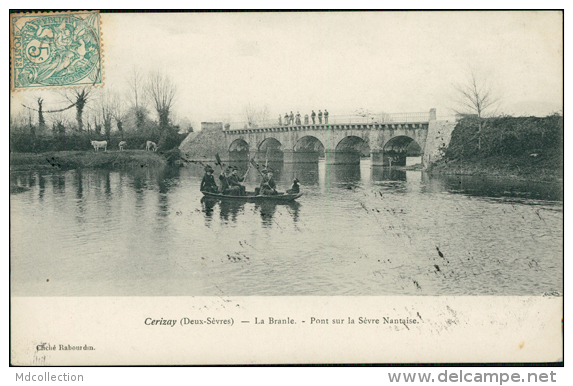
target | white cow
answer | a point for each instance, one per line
(151, 146)
(98, 144)
(121, 145)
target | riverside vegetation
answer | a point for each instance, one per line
(516, 147)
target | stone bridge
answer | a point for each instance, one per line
(398, 140)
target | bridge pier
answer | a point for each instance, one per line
(300, 157)
(333, 157)
(377, 157)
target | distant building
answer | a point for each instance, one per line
(211, 126)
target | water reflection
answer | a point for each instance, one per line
(307, 174)
(207, 205)
(232, 208)
(58, 182)
(166, 178)
(331, 239)
(41, 186)
(107, 183)
(78, 184)
(347, 175)
(383, 173)
(493, 187)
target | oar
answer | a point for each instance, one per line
(221, 164)
(195, 162)
(256, 167)
(247, 172)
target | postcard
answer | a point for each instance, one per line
(200, 188)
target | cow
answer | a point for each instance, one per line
(98, 144)
(151, 146)
(121, 145)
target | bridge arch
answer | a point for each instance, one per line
(239, 150)
(309, 143)
(306, 149)
(349, 150)
(402, 150)
(270, 149)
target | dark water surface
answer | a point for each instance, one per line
(357, 230)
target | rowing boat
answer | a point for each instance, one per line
(251, 197)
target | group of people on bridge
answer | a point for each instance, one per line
(292, 120)
(231, 182)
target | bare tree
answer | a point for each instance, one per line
(78, 97)
(118, 112)
(256, 116)
(40, 110)
(137, 88)
(162, 92)
(18, 122)
(106, 106)
(59, 122)
(41, 120)
(475, 97)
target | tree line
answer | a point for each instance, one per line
(86, 113)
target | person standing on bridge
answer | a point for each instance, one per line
(319, 117)
(291, 118)
(306, 119)
(297, 118)
(325, 116)
(280, 120)
(286, 119)
(313, 116)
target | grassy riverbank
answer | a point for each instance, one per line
(528, 148)
(66, 160)
(540, 168)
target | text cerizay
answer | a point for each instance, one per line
(160, 322)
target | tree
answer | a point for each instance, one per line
(136, 86)
(106, 107)
(40, 110)
(118, 113)
(79, 98)
(162, 92)
(475, 97)
(41, 120)
(256, 116)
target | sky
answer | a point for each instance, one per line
(388, 62)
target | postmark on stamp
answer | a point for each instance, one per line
(55, 50)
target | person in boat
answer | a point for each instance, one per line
(295, 188)
(268, 184)
(234, 181)
(208, 183)
(224, 179)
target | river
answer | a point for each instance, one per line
(357, 230)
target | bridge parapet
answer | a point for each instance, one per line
(341, 120)
(332, 126)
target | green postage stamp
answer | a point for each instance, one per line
(55, 50)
